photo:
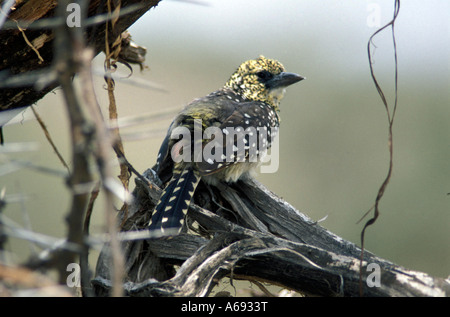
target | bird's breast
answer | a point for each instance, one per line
(233, 173)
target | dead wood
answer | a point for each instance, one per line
(264, 239)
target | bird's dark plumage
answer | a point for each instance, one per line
(219, 138)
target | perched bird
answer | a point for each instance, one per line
(219, 138)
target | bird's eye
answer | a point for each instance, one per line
(264, 75)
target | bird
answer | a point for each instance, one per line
(219, 138)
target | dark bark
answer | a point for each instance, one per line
(37, 77)
(273, 243)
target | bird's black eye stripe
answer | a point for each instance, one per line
(264, 75)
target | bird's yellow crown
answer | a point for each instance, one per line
(250, 81)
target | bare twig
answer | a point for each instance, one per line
(49, 139)
(103, 154)
(29, 43)
(68, 52)
(118, 145)
(390, 118)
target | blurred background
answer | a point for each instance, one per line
(334, 129)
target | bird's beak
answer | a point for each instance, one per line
(284, 79)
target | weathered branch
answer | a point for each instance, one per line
(274, 243)
(18, 57)
(68, 58)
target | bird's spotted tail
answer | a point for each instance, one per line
(168, 217)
